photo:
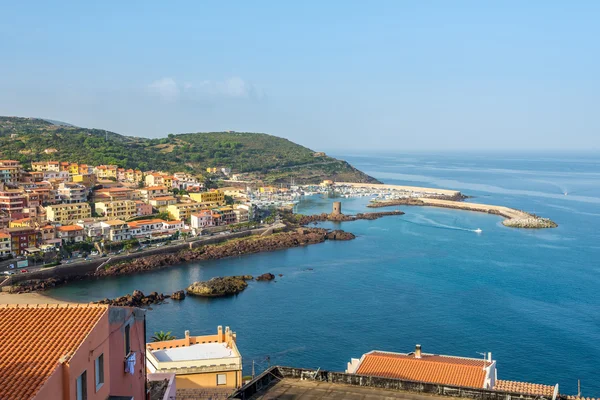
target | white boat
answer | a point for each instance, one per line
(478, 230)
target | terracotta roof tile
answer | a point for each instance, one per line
(524, 387)
(69, 228)
(446, 370)
(34, 338)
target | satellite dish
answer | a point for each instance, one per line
(555, 393)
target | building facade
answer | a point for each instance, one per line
(91, 351)
(68, 213)
(198, 361)
(123, 209)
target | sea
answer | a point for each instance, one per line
(530, 297)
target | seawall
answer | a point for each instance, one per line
(513, 218)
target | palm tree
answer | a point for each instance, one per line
(162, 336)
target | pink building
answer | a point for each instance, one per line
(143, 208)
(72, 351)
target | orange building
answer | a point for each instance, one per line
(72, 351)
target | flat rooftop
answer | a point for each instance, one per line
(292, 389)
(201, 351)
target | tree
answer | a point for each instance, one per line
(162, 336)
(127, 247)
(185, 235)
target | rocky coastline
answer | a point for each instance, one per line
(232, 248)
(296, 235)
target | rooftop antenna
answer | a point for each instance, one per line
(484, 357)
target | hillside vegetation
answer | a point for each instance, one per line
(271, 158)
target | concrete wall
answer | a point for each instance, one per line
(274, 374)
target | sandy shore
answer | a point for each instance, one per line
(28, 298)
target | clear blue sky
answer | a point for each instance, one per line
(343, 75)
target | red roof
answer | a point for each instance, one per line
(455, 371)
(524, 387)
(34, 339)
(69, 228)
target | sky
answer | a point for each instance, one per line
(336, 75)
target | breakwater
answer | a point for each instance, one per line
(513, 218)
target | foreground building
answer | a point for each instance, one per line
(198, 361)
(423, 367)
(71, 351)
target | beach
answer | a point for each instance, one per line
(28, 298)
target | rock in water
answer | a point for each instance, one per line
(178, 295)
(340, 235)
(216, 287)
(265, 277)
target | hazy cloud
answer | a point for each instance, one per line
(166, 88)
(235, 87)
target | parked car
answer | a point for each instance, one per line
(24, 271)
(8, 272)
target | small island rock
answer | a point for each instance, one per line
(265, 277)
(216, 287)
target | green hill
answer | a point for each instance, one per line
(271, 158)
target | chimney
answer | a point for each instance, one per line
(220, 334)
(187, 338)
(489, 357)
(418, 351)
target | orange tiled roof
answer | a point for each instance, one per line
(145, 222)
(446, 370)
(164, 198)
(524, 387)
(155, 188)
(4, 235)
(34, 338)
(69, 228)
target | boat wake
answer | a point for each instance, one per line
(429, 223)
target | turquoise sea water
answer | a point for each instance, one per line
(532, 298)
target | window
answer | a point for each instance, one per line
(82, 386)
(221, 379)
(127, 340)
(99, 364)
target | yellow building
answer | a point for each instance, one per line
(212, 170)
(198, 361)
(73, 168)
(106, 171)
(5, 244)
(123, 209)
(22, 223)
(216, 197)
(87, 180)
(68, 213)
(183, 211)
(133, 176)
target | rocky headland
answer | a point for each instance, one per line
(232, 248)
(308, 219)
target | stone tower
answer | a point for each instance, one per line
(337, 208)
